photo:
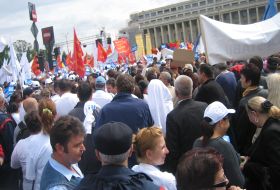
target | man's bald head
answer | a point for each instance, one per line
(30, 104)
(183, 86)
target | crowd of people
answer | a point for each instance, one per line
(155, 126)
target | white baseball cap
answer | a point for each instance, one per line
(216, 111)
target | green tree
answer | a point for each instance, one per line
(4, 55)
(21, 46)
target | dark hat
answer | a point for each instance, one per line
(27, 92)
(113, 138)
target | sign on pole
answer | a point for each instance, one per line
(32, 12)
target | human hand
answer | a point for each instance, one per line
(1, 161)
(243, 159)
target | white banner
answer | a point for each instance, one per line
(225, 41)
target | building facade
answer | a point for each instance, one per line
(180, 21)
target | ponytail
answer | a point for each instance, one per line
(207, 130)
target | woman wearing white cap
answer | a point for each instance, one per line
(214, 126)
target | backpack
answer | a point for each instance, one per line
(23, 133)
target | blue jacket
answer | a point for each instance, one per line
(124, 108)
(52, 177)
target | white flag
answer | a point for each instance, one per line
(2, 44)
(225, 41)
(14, 64)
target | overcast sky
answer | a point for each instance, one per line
(87, 16)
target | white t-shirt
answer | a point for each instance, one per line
(66, 103)
(101, 97)
(165, 179)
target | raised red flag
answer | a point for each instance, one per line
(35, 66)
(131, 58)
(59, 62)
(122, 46)
(78, 62)
(91, 62)
(109, 50)
(101, 53)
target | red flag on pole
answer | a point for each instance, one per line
(35, 66)
(109, 50)
(101, 53)
(91, 62)
(78, 62)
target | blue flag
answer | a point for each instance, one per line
(270, 10)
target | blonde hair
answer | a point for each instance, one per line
(146, 139)
(47, 112)
(262, 105)
(273, 81)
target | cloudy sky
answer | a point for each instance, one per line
(87, 16)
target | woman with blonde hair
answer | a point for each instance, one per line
(40, 153)
(150, 148)
(273, 81)
(262, 168)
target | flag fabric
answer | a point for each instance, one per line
(68, 61)
(25, 67)
(131, 58)
(140, 46)
(78, 62)
(148, 44)
(270, 10)
(35, 66)
(109, 50)
(14, 63)
(122, 46)
(239, 42)
(101, 53)
(2, 44)
(91, 61)
(59, 62)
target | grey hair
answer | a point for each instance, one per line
(184, 85)
(114, 159)
(166, 75)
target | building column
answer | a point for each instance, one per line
(156, 37)
(257, 14)
(184, 31)
(248, 19)
(169, 33)
(162, 34)
(191, 30)
(239, 17)
(176, 32)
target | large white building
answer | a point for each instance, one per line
(180, 21)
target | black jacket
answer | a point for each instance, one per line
(262, 171)
(182, 128)
(112, 177)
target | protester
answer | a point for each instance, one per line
(124, 108)
(244, 130)
(182, 123)
(160, 103)
(214, 126)
(166, 78)
(61, 171)
(151, 151)
(210, 90)
(67, 100)
(262, 169)
(113, 143)
(21, 131)
(87, 111)
(201, 169)
(39, 154)
(111, 86)
(8, 178)
(21, 150)
(100, 96)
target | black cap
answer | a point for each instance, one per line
(113, 138)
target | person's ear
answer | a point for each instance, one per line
(59, 149)
(97, 155)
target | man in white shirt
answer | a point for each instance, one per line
(67, 100)
(62, 172)
(100, 96)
